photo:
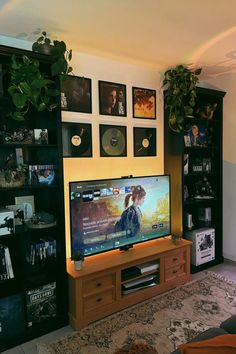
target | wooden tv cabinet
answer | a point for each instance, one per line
(102, 288)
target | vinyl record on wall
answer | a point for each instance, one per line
(144, 141)
(76, 140)
(112, 140)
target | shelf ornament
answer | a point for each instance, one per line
(179, 85)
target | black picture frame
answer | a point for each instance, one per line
(76, 94)
(113, 140)
(112, 99)
(77, 139)
(145, 142)
(144, 103)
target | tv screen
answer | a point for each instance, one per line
(117, 213)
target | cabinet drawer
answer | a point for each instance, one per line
(174, 258)
(98, 300)
(98, 284)
(174, 272)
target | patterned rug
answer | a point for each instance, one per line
(164, 321)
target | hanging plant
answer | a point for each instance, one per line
(29, 87)
(59, 52)
(180, 94)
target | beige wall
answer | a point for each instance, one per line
(97, 167)
(227, 82)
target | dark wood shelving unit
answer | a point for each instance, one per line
(22, 242)
(176, 153)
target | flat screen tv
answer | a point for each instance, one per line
(118, 213)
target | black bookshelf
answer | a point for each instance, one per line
(37, 250)
(195, 167)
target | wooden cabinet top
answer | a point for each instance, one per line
(116, 258)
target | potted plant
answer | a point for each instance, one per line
(180, 94)
(29, 87)
(78, 259)
(59, 52)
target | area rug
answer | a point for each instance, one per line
(164, 321)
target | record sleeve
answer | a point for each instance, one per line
(77, 140)
(144, 141)
(113, 140)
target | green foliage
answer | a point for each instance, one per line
(78, 256)
(180, 85)
(30, 88)
(59, 52)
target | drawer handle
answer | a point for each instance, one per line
(98, 284)
(99, 299)
(175, 259)
(175, 271)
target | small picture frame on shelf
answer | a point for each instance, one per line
(144, 103)
(196, 136)
(76, 94)
(28, 203)
(42, 174)
(41, 136)
(112, 98)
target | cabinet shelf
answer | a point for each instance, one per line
(28, 146)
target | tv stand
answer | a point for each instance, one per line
(112, 281)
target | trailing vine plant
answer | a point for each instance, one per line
(179, 84)
(29, 87)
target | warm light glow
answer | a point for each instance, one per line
(9, 7)
(194, 58)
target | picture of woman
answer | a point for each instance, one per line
(131, 218)
(112, 99)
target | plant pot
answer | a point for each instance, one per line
(78, 265)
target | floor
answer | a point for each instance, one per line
(228, 269)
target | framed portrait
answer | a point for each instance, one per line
(113, 141)
(144, 103)
(144, 141)
(76, 139)
(76, 94)
(112, 98)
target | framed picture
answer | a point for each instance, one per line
(76, 94)
(144, 103)
(112, 140)
(144, 141)
(42, 174)
(28, 203)
(76, 140)
(112, 98)
(41, 136)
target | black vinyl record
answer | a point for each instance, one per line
(76, 140)
(144, 141)
(113, 140)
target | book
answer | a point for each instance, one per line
(41, 304)
(42, 174)
(12, 317)
(148, 267)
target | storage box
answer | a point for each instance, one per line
(203, 245)
(7, 224)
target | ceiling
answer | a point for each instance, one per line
(154, 33)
